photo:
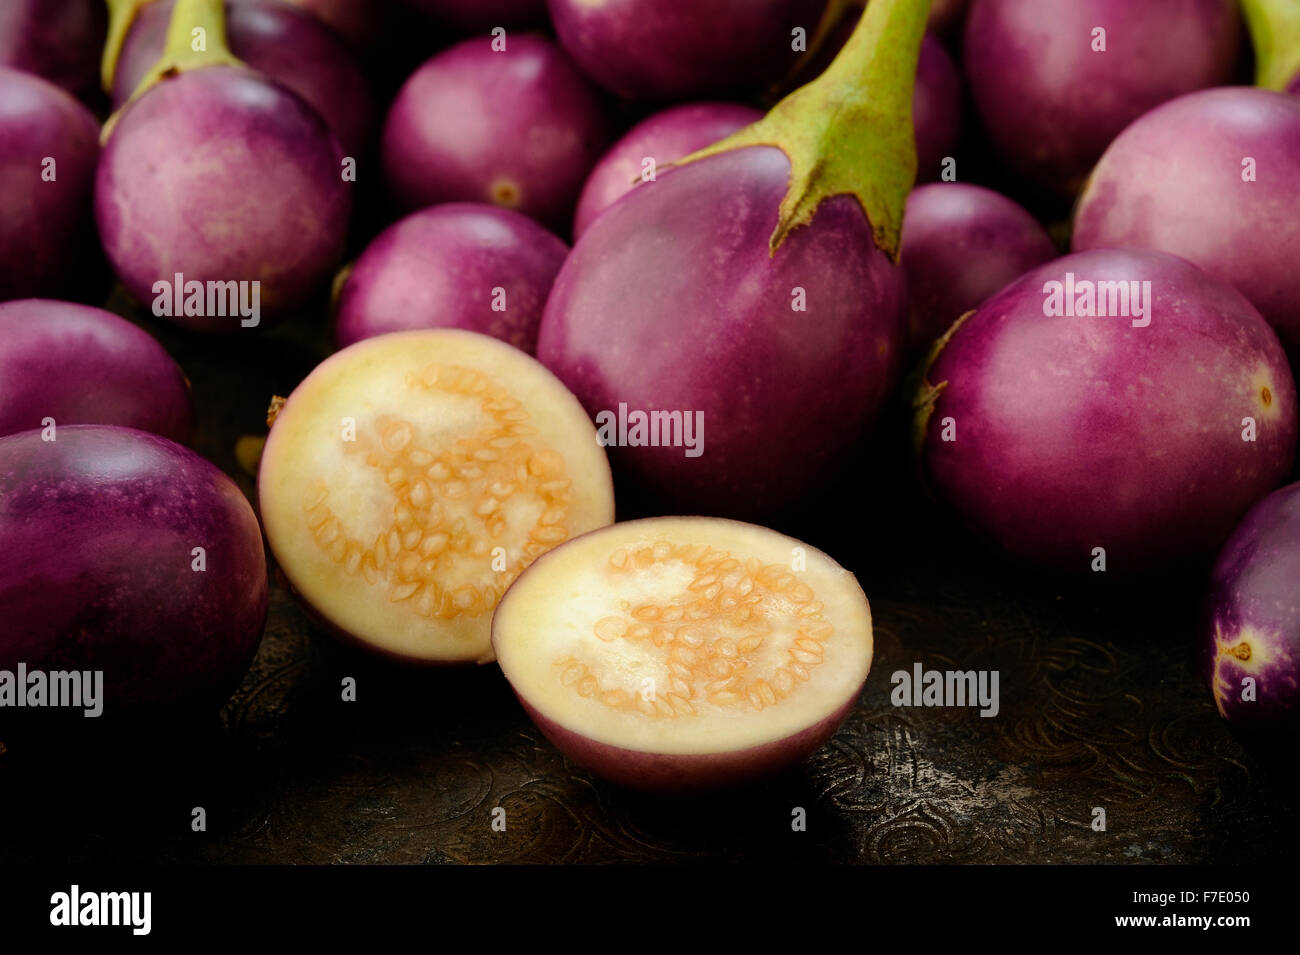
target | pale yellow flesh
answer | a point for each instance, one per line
(411, 477)
(685, 636)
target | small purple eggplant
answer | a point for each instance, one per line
(1251, 647)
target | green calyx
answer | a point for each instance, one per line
(196, 38)
(924, 393)
(849, 132)
(1275, 33)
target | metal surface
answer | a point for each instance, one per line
(1100, 707)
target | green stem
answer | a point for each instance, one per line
(180, 54)
(849, 132)
(1275, 31)
(121, 17)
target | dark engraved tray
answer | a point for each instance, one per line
(1101, 706)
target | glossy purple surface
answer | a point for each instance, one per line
(106, 520)
(1070, 433)
(82, 365)
(358, 22)
(1253, 617)
(936, 109)
(222, 176)
(49, 144)
(671, 301)
(961, 244)
(519, 128)
(288, 45)
(1051, 104)
(440, 267)
(60, 40)
(1177, 180)
(666, 136)
(651, 50)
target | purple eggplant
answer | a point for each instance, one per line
(650, 50)
(222, 198)
(518, 127)
(1214, 177)
(1251, 648)
(59, 40)
(288, 45)
(961, 244)
(664, 138)
(459, 265)
(1054, 81)
(49, 144)
(1113, 410)
(137, 558)
(752, 294)
(80, 365)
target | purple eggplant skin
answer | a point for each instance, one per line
(666, 137)
(1294, 86)
(357, 22)
(651, 50)
(60, 40)
(83, 365)
(1253, 617)
(961, 244)
(220, 175)
(104, 521)
(1176, 180)
(1051, 104)
(1052, 436)
(440, 268)
(671, 301)
(518, 128)
(480, 16)
(936, 109)
(49, 145)
(289, 45)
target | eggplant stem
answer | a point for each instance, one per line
(1275, 33)
(196, 38)
(849, 132)
(121, 17)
